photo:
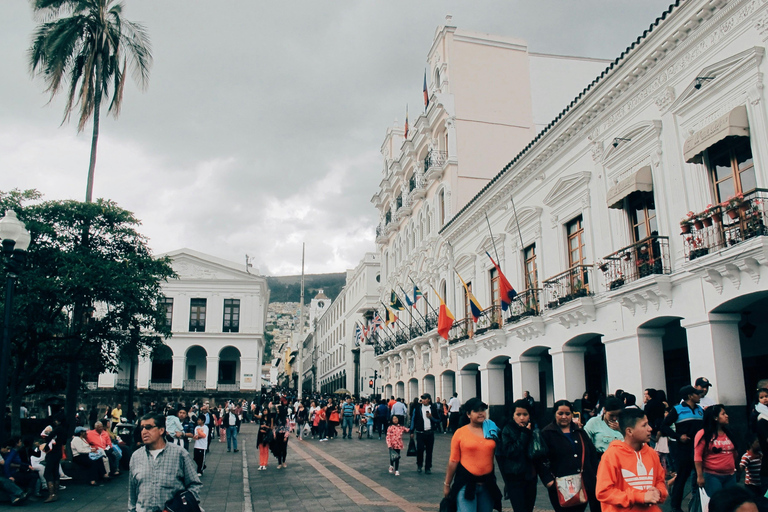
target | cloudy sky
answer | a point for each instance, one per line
(262, 122)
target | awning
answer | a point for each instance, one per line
(732, 123)
(640, 181)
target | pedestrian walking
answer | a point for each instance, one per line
(263, 440)
(201, 444)
(231, 423)
(423, 422)
(347, 418)
(159, 470)
(281, 435)
(750, 464)
(54, 441)
(630, 476)
(604, 429)
(569, 452)
(454, 412)
(173, 427)
(714, 452)
(399, 410)
(470, 477)
(516, 458)
(688, 418)
(380, 417)
(395, 444)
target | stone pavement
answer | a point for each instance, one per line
(336, 476)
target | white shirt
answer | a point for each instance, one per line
(706, 402)
(201, 443)
(454, 405)
(427, 421)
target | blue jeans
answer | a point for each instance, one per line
(481, 503)
(231, 437)
(346, 426)
(713, 482)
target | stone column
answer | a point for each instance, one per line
(107, 380)
(636, 361)
(568, 373)
(492, 384)
(177, 373)
(211, 372)
(143, 372)
(525, 376)
(714, 351)
(249, 372)
(467, 388)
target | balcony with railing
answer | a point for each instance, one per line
(527, 303)
(572, 284)
(434, 162)
(395, 335)
(228, 386)
(732, 222)
(123, 383)
(194, 385)
(159, 385)
(644, 258)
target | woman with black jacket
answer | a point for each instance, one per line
(515, 458)
(566, 443)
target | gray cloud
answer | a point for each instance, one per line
(261, 126)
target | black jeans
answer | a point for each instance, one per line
(95, 467)
(521, 493)
(684, 468)
(425, 441)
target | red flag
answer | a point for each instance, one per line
(506, 291)
(444, 319)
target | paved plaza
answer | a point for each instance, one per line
(336, 476)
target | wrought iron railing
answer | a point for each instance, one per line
(230, 386)
(435, 158)
(123, 383)
(159, 386)
(461, 330)
(194, 385)
(729, 223)
(90, 385)
(527, 303)
(568, 285)
(395, 335)
(489, 320)
(641, 259)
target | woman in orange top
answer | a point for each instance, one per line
(470, 465)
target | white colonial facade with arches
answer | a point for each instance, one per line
(611, 294)
(217, 311)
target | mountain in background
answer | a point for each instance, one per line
(288, 288)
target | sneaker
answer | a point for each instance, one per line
(323, 440)
(65, 477)
(397, 473)
(229, 450)
(62, 488)
(391, 469)
(236, 450)
(199, 474)
(427, 471)
(418, 470)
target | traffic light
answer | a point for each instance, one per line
(370, 383)
(375, 373)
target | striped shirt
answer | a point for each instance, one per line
(750, 464)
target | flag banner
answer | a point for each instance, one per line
(416, 294)
(407, 300)
(506, 291)
(444, 319)
(365, 332)
(377, 321)
(406, 121)
(394, 302)
(474, 305)
(391, 317)
(358, 335)
(426, 93)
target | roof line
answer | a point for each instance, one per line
(562, 114)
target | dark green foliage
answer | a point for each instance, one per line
(288, 288)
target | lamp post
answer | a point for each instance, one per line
(15, 239)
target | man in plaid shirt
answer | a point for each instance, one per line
(159, 470)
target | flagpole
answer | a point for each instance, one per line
(424, 297)
(401, 303)
(522, 246)
(493, 240)
(413, 306)
(301, 329)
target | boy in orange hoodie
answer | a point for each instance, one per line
(630, 476)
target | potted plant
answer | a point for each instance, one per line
(732, 204)
(715, 213)
(619, 281)
(685, 223)
(706, 219)
(602, 265)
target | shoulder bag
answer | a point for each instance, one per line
(570, 488)
(411, 449)
(182, 501)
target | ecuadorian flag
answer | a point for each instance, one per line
(474, 306)
(506, 291)
(444, 319)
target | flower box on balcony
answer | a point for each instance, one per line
(698, 253)
(616, 283)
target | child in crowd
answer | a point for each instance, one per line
(630, 476)
(395, 444)
(263, 441)
(750, 464)
(201, 443)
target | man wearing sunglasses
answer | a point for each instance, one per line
(155, 469)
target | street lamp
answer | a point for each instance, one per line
(15, 239)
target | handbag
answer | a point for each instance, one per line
(570, 488)
(411, 449)
(537, 448)
(182, 501)
(448, 504)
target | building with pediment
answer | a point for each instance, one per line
(217, 310)
(584, 217)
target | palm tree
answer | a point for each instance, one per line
(85, 46)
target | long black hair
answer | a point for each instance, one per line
(710, 425)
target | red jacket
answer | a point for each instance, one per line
(624, 476)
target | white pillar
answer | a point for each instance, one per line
(467, 386)
(249, 372)
(714, 351)
(492, 384)
(448, 385)
(211, 372)
(143, 372)
(568, 373)
(636, 362)
(177, 373)
(107, 380)
(525, 377)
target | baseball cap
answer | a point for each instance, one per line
(426, 396)
(688, 390)
(80, 429)
(702, 382)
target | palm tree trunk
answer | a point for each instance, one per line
(95, 136)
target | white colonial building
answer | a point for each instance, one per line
(217, 311)
(612, 295)
(331, 353)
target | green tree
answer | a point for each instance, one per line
(85, 46)
(81, 303)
